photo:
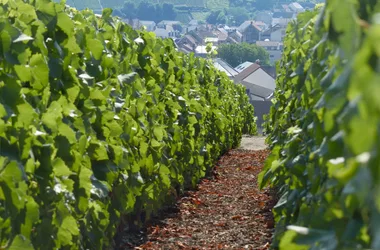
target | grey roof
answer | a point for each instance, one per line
(246, 24)
(296, 6)
(222, 30)
(190, 38)
(232, 40)
(193, 22)
(243, 66)
(225, 67)
(169, 22)
(268, 43)
(283, 14)
(169, 28)
(256, 98)
(259, 90)
(247, 71)
(306, 5)
(161, 32)
(145, 22)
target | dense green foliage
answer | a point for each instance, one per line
(217, 17)
(98, 121)
(323, 129)
(235, 54)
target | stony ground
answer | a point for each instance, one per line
(253, 143)
(227, 211)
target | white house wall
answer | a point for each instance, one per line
(274, 55)
(276, 36)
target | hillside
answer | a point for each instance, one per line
(96, 4)
(187, 9)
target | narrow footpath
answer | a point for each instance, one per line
(227, 211)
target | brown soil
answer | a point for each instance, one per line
(227, 211)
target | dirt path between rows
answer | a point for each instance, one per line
(227, 211)
(253, 143)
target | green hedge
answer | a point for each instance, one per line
(98, 121)
(324, 130)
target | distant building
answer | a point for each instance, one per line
(235, 37)
(260, 85)
(150, 25)
(273, 48)
(243, 66)
(282, 14)
(225, 67)
(222, 35)
(283, 22)
(190, 28)
(193, 22)
(134, 23)
(271, 70)
(163, 23)
(167, 32)
(250, 31)
(296, 7)
(213, 40)
(274, 33)
(201, 50)
(285, 7)
(307, 5)
(188, 42)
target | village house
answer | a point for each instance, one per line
(134, 23)
(260, 85)
(282, 22)
(274, 33)
(149, 25)
(225, 67)
(213, 40)
(164, 23)
(167, 32)
(192, 25)
(188, 41)
(201, 50)
(296, 7)
(222, 35)
(250, 31)
(273, 48)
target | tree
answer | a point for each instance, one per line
(216, 17)
(168, 11)
(264, 4)
(146, 11)
(238, 15)
(129, 10)
(212, 18)
(235, 54)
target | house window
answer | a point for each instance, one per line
(271, 56)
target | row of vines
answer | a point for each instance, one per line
(324, 130)
(99, 122)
